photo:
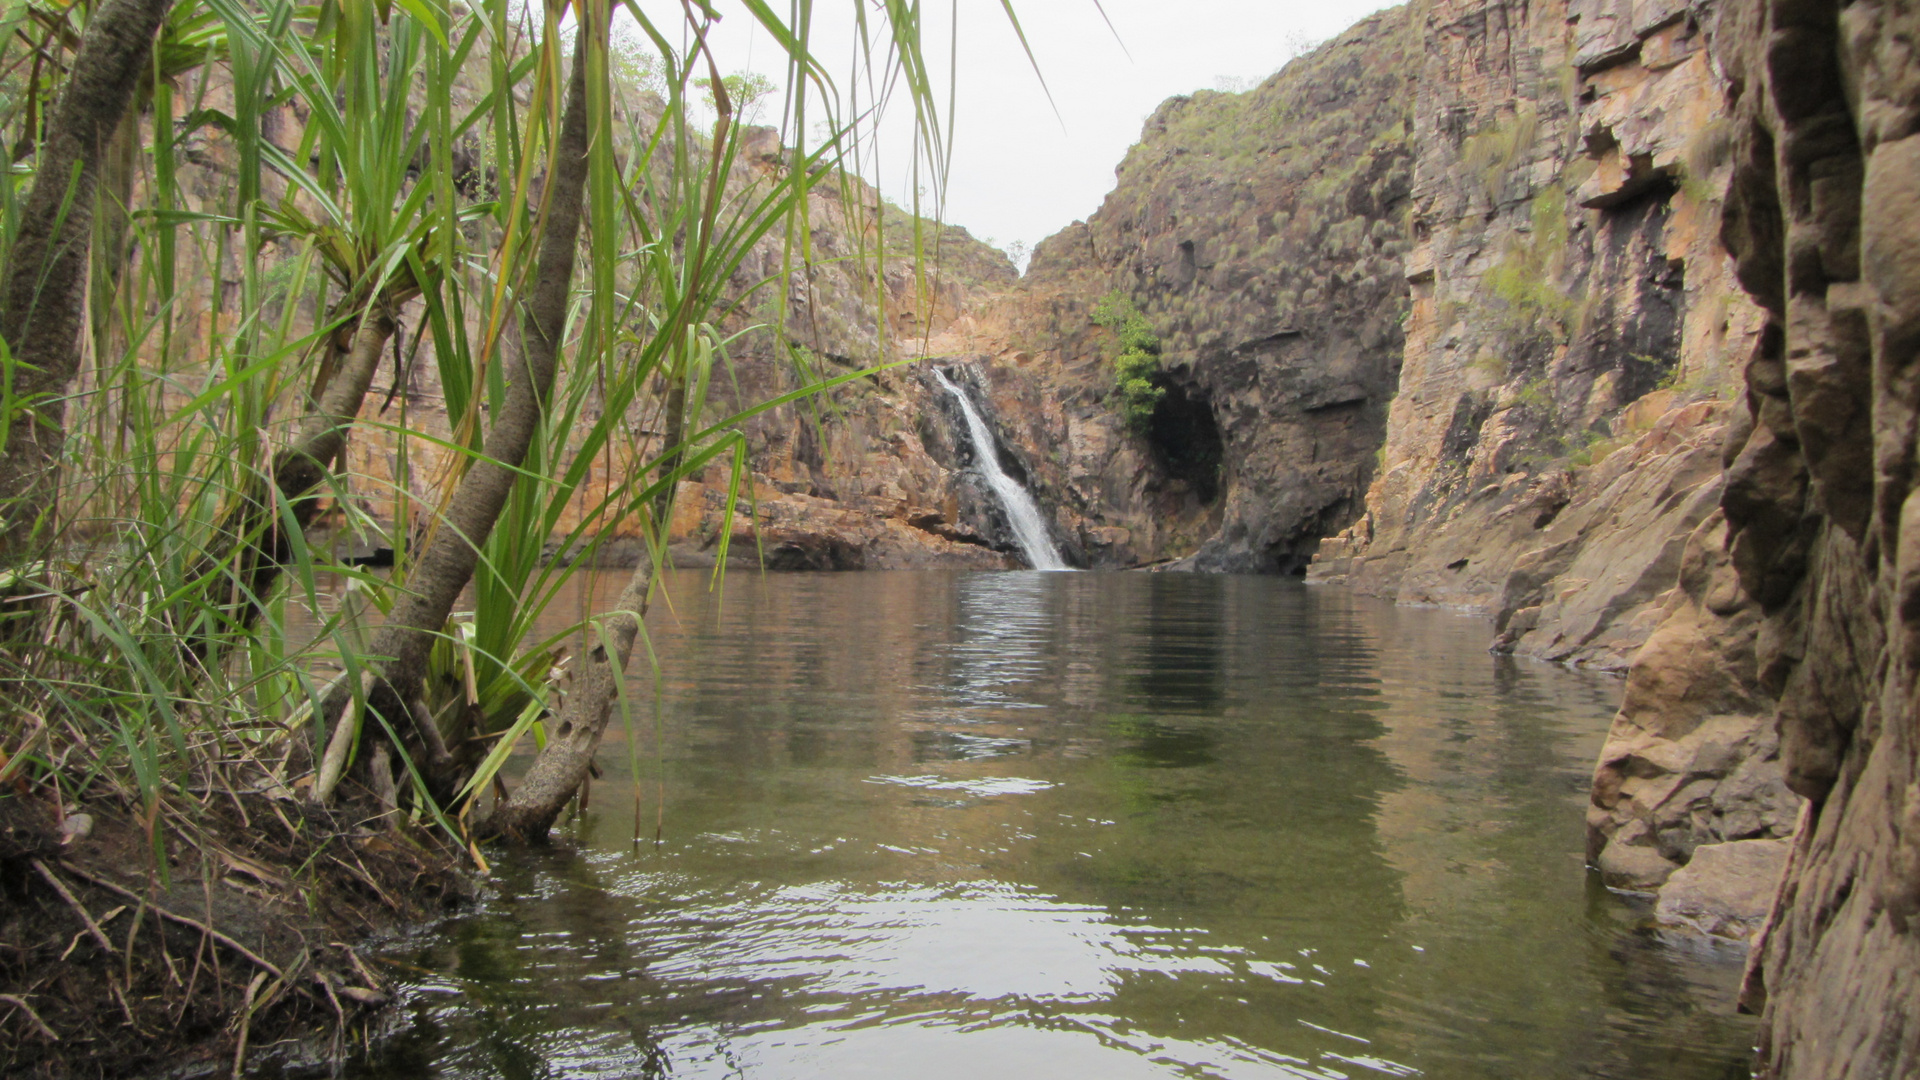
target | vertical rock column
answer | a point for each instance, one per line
(1823, 219)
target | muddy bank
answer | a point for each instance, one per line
(230, 941)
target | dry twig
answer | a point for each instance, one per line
(246, 1021)
(21, 1004)
(73, 902)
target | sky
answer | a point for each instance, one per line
(1024, 168)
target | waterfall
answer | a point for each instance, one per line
(1029, 529)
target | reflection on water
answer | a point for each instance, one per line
(1072, 825)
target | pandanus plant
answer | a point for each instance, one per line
(578, 276)
(355, 199)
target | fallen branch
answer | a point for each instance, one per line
(246, 1024)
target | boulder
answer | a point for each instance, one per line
(1726, 890)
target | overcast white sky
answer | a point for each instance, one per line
(1020, 171)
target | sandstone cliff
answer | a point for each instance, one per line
(1594, 316)
(1262, 235)
(1554, 455)
(1569, 291)
(1769, 581)
(1823, 219)
(1478, 309)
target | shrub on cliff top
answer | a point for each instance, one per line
(1138, 363)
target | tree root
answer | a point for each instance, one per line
(27, 1010)
(333, 763)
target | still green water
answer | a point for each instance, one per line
(1089, 825)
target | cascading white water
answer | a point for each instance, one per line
(1029, 529)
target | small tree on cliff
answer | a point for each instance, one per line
(745, 90)
(1136, 368)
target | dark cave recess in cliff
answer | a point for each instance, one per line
(1185, 440)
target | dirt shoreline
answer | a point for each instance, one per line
(242, 944)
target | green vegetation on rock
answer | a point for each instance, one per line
(1538, 305)
(1492, 153)
(1138, 363)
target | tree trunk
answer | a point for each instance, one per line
(565, 764)
(254, 526)
(42, 298)
(572, 740)
(449, 562)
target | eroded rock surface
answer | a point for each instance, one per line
(1726, 891)
(1823, 218)
(1571, 304)
(1691, 758)
(1555, 456)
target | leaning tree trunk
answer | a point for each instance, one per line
(449, 562)
(262, 545)
(42, 297)
(572, 739)
(566, 762)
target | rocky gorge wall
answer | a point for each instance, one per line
(1262, 236)
(1823, 220)
(1569, 297)
(1653, 412)
(1765, 560)
(1261, 233)
(1554, 455)
(1445, 316)
(1450, 295)
(1597, 317)
(1592, 316)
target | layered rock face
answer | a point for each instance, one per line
(1554, 457)
(864, 477)
(1569, 295)
(1772, 581)
(1262, 235)
(1823, 218)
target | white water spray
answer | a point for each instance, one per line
(1029, 529)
